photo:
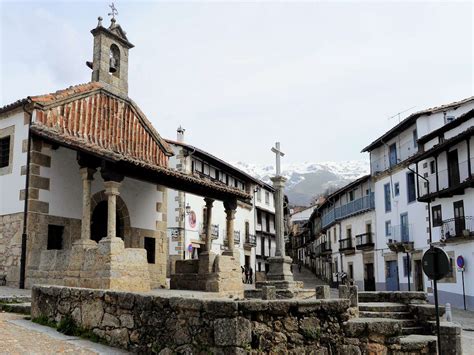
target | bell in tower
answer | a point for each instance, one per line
(110, 60)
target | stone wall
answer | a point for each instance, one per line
(166, 325)
(11, 226)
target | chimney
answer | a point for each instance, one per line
(180, 134)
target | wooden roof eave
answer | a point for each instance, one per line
(144, 171)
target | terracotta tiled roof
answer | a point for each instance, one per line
(76, 142)
(101, 118)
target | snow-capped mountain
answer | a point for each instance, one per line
(306, 180)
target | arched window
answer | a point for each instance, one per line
(114, 67)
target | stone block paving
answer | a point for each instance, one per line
(466, 320)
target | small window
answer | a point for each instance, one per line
(415, 139)
(351, 271)
(267, 197)
(388, 201)
(259, 217)
(259, 194)
(55, 237)
(349, 233)
(150, 245)
(437, 217)
(388, 228)
(432, 167)
(396, 189)
(351, 195)
(5, 151)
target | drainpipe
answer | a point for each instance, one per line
(24, 235)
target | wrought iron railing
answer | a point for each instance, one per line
(402, 233)
(345, 244)
(457, 227)
(364, 239)
(251, 239)
(361, 204)
(236, 237)
(214, 231)
(325, 247)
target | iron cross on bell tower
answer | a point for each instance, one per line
(278, 154)
(114, 11)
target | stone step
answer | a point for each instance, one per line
(382, 307)
(415, 342)
(413, 330)
(407, 323)
(15, 299)
(393, 315)
(22, 308)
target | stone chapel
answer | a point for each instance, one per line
(83, 183)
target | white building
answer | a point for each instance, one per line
(254, 221)
(446, 160)
(401, 221)
(347, 228)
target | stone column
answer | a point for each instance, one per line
(279, 184)
(111, 190)
(209, 202)
(230, 208)
(87, 175)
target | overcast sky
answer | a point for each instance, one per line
(321, 77)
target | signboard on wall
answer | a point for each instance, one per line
(192, 219)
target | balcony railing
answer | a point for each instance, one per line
(364, 241)
(361, 204)
(215, 231)
(457, 227)
(326, 247)
(401, 234)
(346, 244)
(236, 237)
(251, 240)
(442, 182)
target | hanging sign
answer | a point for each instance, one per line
(192, 219)
(190, 248)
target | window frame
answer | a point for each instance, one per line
(388, 228)
(8, 132)
(387, 197)
(436, 211)
(408, 187)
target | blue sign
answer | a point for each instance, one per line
(460, 261)
(190, 248)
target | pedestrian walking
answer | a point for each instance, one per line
(250, 276)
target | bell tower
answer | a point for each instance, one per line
(110, 59)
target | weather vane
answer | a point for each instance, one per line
(114, 11)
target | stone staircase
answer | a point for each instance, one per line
(390, 310)
(405, 317)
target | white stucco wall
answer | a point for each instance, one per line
(12, 183)
(65, 193)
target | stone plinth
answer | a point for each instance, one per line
(104, 265)
(280, 269)
(211, 273)
(322, 292)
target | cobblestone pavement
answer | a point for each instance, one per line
(19, 336)
(466, 320)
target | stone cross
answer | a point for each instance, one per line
(278, 154)
(114, 11)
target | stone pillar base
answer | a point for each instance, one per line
(280, 269)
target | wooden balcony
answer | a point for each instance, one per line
(346, 246)
(365, 241)
(457, 229)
